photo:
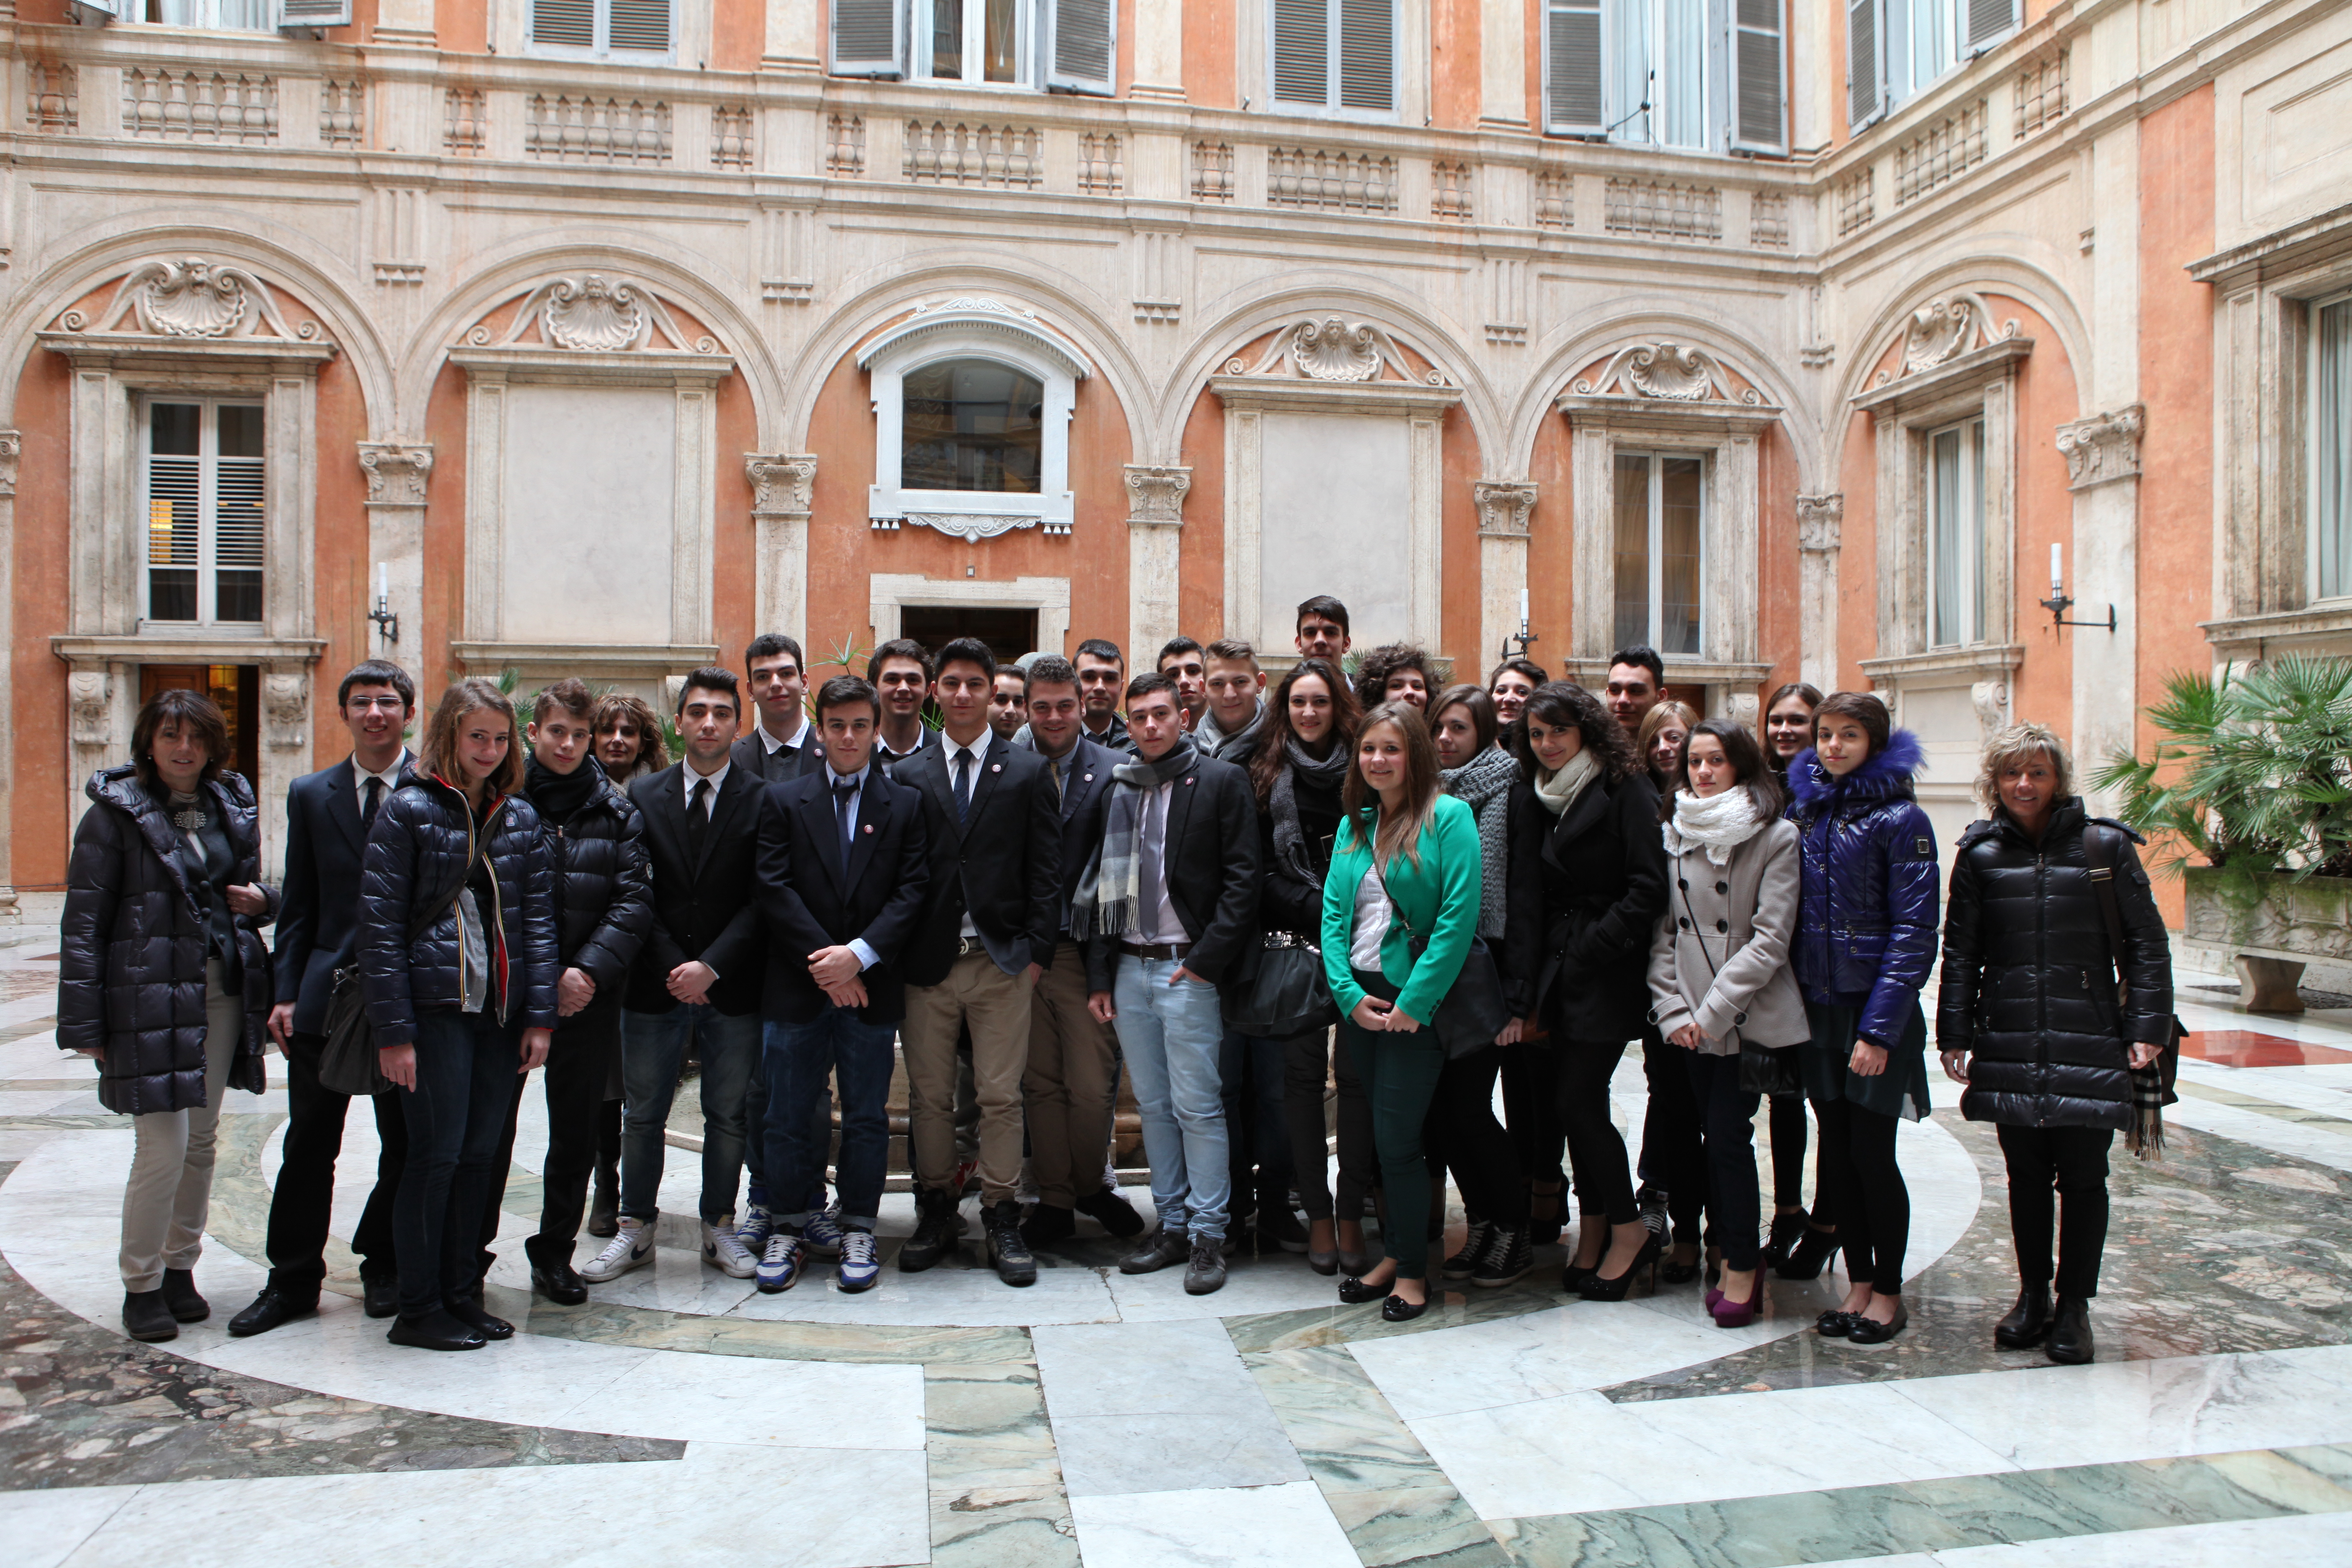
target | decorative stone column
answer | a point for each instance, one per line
(1820, 519)
(396, 475)
(12, 448)
(2102, 455)
(1503, 509)
(781, 486)
(1155, 529)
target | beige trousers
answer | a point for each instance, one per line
(170, 1189)
(997, 1007)
(1073, 1068)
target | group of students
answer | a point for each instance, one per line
(1044, 889)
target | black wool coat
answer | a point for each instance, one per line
(2029, 981)
(130, 977)
(1604, 887)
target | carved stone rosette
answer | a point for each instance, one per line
(1503, 508)
(781, 483)
(2104, 448)
(396, 471)
(1155, 494)
(1820, 519)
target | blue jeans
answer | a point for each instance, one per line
(796, 1060)
(465, 1079)
(652, 1050)
(1171, 1036)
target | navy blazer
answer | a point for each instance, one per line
(702, 908)
(1002, 863)
(1086, 796)
(318, 922)
(810, 901)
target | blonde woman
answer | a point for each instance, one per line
(1400, 912)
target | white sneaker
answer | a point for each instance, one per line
(724, 1249)
(632, 1246)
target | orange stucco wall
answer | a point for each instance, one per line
(1779, 629)
(1552, 546)
(43, 573)
(1210, 73)
(1200, 553)
(1454, 68)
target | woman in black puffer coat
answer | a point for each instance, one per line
(463, 1009)
(2029, 1019)
(163, 980)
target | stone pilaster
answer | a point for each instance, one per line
(1820, 520)
(397, 472)
(1155, 530)
(781, 488)
(1503, 510)
(2102, 455)
(11, 449)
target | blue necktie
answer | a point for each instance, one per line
(845, 801)
(963, 784)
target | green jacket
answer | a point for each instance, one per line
(1438, 899)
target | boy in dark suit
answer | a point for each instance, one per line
(842, 869)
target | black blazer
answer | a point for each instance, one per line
(1213, 876)
(809, 904)
(318, 924)
(704, 910)
(787, 763)
(1084, 799)
(1002, 862)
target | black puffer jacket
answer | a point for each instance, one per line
(417, 854)
(131, 978)
(1603, 872)
(2029, 983)
(604, 884)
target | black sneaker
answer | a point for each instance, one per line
(1161, 1249)
(1463, 1264)
(935, 1232)
(1652, 1204)
(1508, 1258)
(1205, 1274)
(559, 1282)
(1015, 1266)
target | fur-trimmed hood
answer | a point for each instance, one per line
(1885, 774)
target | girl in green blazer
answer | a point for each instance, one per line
(1405, 874)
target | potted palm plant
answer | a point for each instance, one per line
(2248, 797)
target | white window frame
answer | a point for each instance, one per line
(1714, 105)
(1970, 431)
(208, 506)
(132, 13)
(602, 48)
(975, 29)
(1331, 108)
(1657, 457)
(2314, 425)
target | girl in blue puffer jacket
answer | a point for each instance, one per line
(1866, 943)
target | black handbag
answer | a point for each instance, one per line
(347, 1061)
(1474, 1011)
(1291, 994)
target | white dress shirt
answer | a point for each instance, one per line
(866, 957)
(688, 778)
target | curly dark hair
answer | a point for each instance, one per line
(1372, 674)
(1560, 703)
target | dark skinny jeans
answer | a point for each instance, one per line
(2058, 1174)
(466, 1089)
(1861, 1188)
(1463, 1136)
(1728, 1115)
(1671, 1157)
(1788, 1133)
(1400, 1076)
(1596, 1154)
(1531, 1110)
(1308, 1063)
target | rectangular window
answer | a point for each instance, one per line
(1896, 49)
(2331, 449)
(203, 507)
(974, 40)
(1661, 515)
(225, 16)
(1955, 534)
(600, 27)
(1334, 55)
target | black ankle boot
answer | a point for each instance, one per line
(1812, 1252)
(2027, 1321)
(180, 1295)
(2069, 1331)
(146, 1317)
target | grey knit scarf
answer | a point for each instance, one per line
(1484, 784)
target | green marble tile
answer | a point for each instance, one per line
(891, 1344)
(995, 1482)
(1011, 1530)
(1340, 1325)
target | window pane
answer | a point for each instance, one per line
(240, 430)
(1004, 62)
(947, 39)
(1682, 74)
(1626, 30)
(237, 594)
(171, 593)
(252, 15)
(971, 424)
(1947, 564)
(2331, 450)
(1681, 494)
(1633, 549)
(173, 427)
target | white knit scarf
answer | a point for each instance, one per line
(1558, 791)
(1717, 823)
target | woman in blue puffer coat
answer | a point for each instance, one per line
(1866, 943)
(457, 955)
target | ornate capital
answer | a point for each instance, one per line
(286, 709)
(1155, 494)
(781, 483)
(12, 448)
(396, 471)
(89, 703)
(1503, 508)
(1990, 700)
(1819, 521)
(2104, 448)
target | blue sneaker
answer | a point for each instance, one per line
(779, 1265)
(822, 1234)
(757, 1227)
(860, 1266)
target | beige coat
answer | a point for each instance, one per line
(1720, 956)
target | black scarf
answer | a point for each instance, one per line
(557, 795)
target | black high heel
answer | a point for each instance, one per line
(1674, 1271)
(1788, 1230)
(1599, 1287)
(1812, 1251)
(1544, 1212)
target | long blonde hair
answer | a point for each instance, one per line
(1400, 832)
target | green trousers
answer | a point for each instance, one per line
(1400, 1076)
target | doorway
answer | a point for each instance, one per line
(1008, 633)
(236, 690)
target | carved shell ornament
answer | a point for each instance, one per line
(191, 298)
(1676, 373)
(1334, 350)
(1943, 330)
(594, 314)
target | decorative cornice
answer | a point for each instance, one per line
(1155, 495)
(1332, 350)
(192, 298)
(1503, 507)
(986, 318)
(781, 483)
(1820, 520)
(396, 471)
(1944, 329)
(969, 526)
(2104, 448)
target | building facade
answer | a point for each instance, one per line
(1801, 340)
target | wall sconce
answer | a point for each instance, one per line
(1523, 637)
(2058, 603)
(385, 621)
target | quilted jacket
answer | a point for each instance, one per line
(604, 886)
(2029, 983)
(130, 977)
(417, 854)
(1866, 916)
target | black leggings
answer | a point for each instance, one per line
(1671, 1156)
(1730, 1159)
(1463, 1136)
(1861, 1188)
(1604, 1184)
(1789, 1152)
(2065, 1170)
(1308, 1065)
(1531, 1110)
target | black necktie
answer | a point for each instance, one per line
(963, 784)
(367, 806)
(844, 803)
(698, 819)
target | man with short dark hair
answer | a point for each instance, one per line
(327, 815)
(1071, 1078)
(900, 671)
(1322, 628)
(784, 743)
(842, 870)
(1168, 911)
(1229, 730)
(1183, 661)
(1637, 683)
(1006, 702)
(1102, 676)
(695, 982)
(988, 927)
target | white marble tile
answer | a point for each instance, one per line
(85, 1102)
(2279, 1085)
(45, 1527)
(38, 1009)
(757, 1400)
(1158, 1407)
(938, 1297)
(18, 1142)
(2321, 1146)
(39, 1102)
(36, 1055)
(1260, 1527)
(1105, 1456)
(1269, 1284)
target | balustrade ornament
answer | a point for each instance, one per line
(1674, 372)
(191, 298)
(594, 314)
(1337, 351)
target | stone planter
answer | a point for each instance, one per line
(2273, 932)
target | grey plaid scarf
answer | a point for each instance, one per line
(1112, 885)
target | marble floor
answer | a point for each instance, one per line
(1116, 1422)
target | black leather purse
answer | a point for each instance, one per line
(1474, 1011)
(347, 1061)
(1291, 994)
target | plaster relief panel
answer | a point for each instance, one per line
(1334, 466)
(589, 500)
